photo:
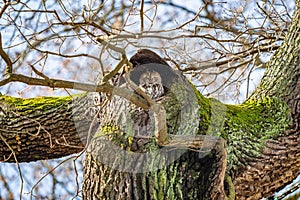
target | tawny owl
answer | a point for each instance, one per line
(143, 121)
(161, 83)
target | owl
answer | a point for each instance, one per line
(151, 84)
(143, 73)
(163, 85)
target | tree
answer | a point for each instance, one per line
(260, 134)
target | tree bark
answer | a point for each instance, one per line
(262, 143)
(279, 161)
(41, 128)
(183, 171)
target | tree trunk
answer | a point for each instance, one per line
(279, 161)
(176, 172)
(262, 146)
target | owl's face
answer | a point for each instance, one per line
(151, 83)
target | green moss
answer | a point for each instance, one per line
(164, 181)
(107, 130)
(173, 181)
(204, 111)
(246, 127)
(41, 104)
(249, 125)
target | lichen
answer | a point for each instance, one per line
(165, 180)
(204, 111)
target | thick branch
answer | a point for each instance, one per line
(41, 128)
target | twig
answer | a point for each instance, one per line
(5, 58)
(138, 90)
(40, 73)
(47, 173)
(18, 164)
(102, 40)
(4, 8)
(119, 66)
(142, 15)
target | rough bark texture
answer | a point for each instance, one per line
(197, 172)
(262, 139)
(245, 127)
(280, 159)
(40, 128)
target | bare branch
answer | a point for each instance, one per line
(142, 16)
(6, 4)
(5, 58)
(18, 164)
(56, 83)
(124, 61)
(40, 74)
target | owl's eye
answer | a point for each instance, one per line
(145, 86)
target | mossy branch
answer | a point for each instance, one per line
(57, 83)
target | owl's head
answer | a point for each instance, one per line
(147, 65)
(151, 83)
